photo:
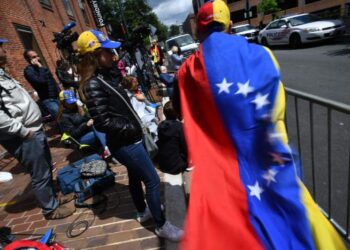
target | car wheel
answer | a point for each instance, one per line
(295, 41)
(264, 42)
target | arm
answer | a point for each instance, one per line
(105, 120)
(76, 132)
(36, 79)
(11, 126)
(176, 58)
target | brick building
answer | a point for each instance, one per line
(29, 24)
(325, 8)
(189, 25)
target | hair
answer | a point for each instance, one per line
(175, 49)
(127, 82)
(86, 69)
(169, 111)
(25, 54)
(210, 28)
(163, 69)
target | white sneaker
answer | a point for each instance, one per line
(170, 232)
(145, 216)
(5, 176)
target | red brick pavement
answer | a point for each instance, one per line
(115, 228)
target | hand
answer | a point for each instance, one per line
(90, 123)
(140, 97)
(30, 134)
(36, 62)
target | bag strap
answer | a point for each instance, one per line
(123, 99)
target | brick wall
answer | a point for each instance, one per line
(43, 21)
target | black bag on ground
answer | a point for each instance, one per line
(71, 180)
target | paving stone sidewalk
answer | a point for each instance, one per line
(115, 228)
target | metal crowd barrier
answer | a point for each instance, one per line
(332, 120)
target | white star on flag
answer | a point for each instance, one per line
(260, 100)
(269, 176)
(244, 89)
(255, 190)
(224, 86)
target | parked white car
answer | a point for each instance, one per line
(298, 29)
(185, 43)
(246, 30)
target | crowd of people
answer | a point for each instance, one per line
(227, 99)
(91, 115)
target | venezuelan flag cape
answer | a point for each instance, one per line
(245, 193)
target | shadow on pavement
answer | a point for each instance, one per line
(339, 52)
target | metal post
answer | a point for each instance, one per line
(247, 10)
(121, 11)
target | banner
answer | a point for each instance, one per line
(97, 13)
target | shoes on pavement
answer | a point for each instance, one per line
(63, 199)
(145, 216)
(60, 213)
(5, 176)
(170, 232)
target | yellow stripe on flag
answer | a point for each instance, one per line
(324, 234)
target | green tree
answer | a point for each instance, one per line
(266, 7)
(129, 14)
(174, 30)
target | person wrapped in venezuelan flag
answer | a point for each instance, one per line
(245, 193)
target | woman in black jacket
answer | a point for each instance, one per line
(123, 132)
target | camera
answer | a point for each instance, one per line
(65, 38)
(65, 66)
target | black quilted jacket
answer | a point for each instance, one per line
(110, 114)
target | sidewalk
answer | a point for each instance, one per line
(115, 228)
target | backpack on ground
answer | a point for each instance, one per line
(71, 179)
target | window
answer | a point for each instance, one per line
(273, 25)
(81, 4)
(45, 3)
(241, 15)
(68, 8)
(281, 23)
(28, 40)
(347, 10)
(288, 4)
(310, 1)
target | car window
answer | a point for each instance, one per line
(273, 25)
(281, 23)
(299, 20)
(242, 28)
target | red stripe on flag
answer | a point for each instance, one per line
(218, 216)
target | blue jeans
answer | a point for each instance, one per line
(34, 155)
(94, 137)
(51, 105)
(140, 169)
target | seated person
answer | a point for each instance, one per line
(145, 109)
(176, 57)
(167, 79)
(74, 121)
(172, 149)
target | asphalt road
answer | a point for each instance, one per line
(322, 70)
